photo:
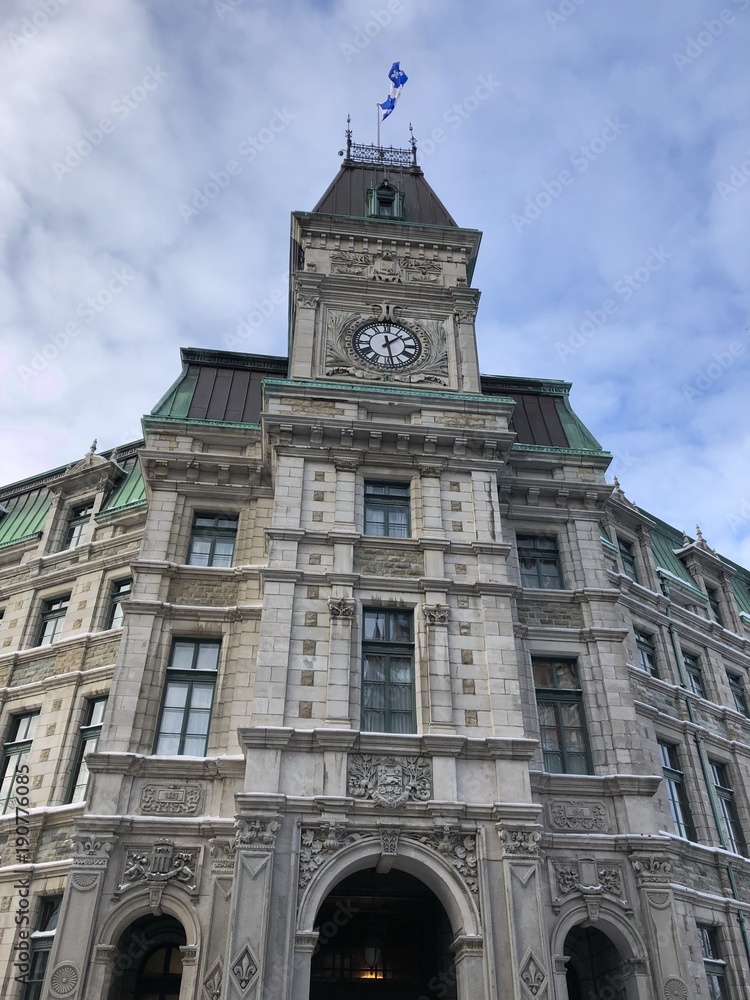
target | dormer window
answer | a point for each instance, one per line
(77, 523)
(385, 202)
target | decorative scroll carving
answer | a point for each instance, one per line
(341, 607)
(308, 300)
(610, 879)
(389, 781)
(64, 980)
(651, 868)
(341, 358)
(244, 968)
(533, 976)
(91, 853)
(258, 833)
(659, 900)
(389, 840)
(436, 614)
(519, 841)
(386, 266)
(175, 800)
(223, 854)
(567, 878)
(578, 814)
(318, 844)
(460, 849)
(159, 865)
(83, 881)
(345, 464)
(431, 471)
(590, 878)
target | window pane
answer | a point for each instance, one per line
(401, 670)
(198, 723)
(401, 626)
(171, 720)
(176, 696)
(200, 551)
(208, 656)
(168, 745)
(566, 676)
(182, 655)
(375, 521)
(398, 522)
(203, 695)
(374, 668)
(542, 674)
(374, 625)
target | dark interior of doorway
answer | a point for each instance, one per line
(595, 967)
(382, 936)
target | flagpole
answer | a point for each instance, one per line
(377, 119)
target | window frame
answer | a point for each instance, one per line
(536, 553)
(714, 605)
(694, 673)
(558, 697)
(215, 533)
(676, 789)
(390, 649)
(116, 598)
(52, 614)
(193, 677)
(645, 647)
(626, 551)
(714, 965)
(17, 750)
(89, 732)
(389, 504)
(739, 695)
(732, 832)
(79, 516)
(40, 946)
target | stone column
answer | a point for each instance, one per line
(304, 948)
(487, 527)
(341, 616)
(658, 919)
(528, 971)
(75, 930)
(439, 691)
(189, 985)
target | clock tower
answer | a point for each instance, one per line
(381, 280)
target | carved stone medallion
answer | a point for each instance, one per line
(578, 814)
(389, 782)
(173, 799)
(160, 864)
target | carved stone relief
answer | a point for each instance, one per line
(257, 834)
(244, 968)
(159, 865)
(341, 607)
(520, 841)
(651, 868)
(578, 814)
(386, 266)
(172, 799)
(533, 976)
(389, 782)
(459, 849)
(222, 854)
(436, 614)
(589, 878)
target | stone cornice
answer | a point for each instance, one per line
(140, 765)
(544, 783)
(352, 741)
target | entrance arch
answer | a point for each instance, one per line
(382, 936)
(148, 962)
(595, 967)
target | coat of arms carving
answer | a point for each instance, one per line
(389, 781)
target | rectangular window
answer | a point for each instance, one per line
(646, 653)
(737, 688)
(539, 561)
(188, 698)
(715, 605)
(733, 836)
(388, 702)
(561, 721)
(674, 782)
(77, 522)
(713, 963)
(694, 674)
(15, 758)
(88, 740)
(41, 945)
(213, 539)
(53, 619)
(121, 591)
(387, 510)
(627, 558)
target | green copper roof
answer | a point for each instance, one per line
(25, 516)
(130, 492)
(664, 541)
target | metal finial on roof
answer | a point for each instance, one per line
(699, 533)
(413, 144)
(348, 137)
(686, 539)
(92, 449)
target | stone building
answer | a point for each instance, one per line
(355, 678)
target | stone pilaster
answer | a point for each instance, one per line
(341, 616)
(439, 690)
(659, 921)
(528, 973)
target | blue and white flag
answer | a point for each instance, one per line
(398, 78)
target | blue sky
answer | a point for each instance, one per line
(603, 149)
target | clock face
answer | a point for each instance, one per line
(386, 345)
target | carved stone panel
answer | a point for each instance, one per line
(574, 815)
(459, 849)
(171, 799)
(389, 782)
(160, 864)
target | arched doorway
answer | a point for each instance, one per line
(595, 968)
(382, 936)
(148, 964)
